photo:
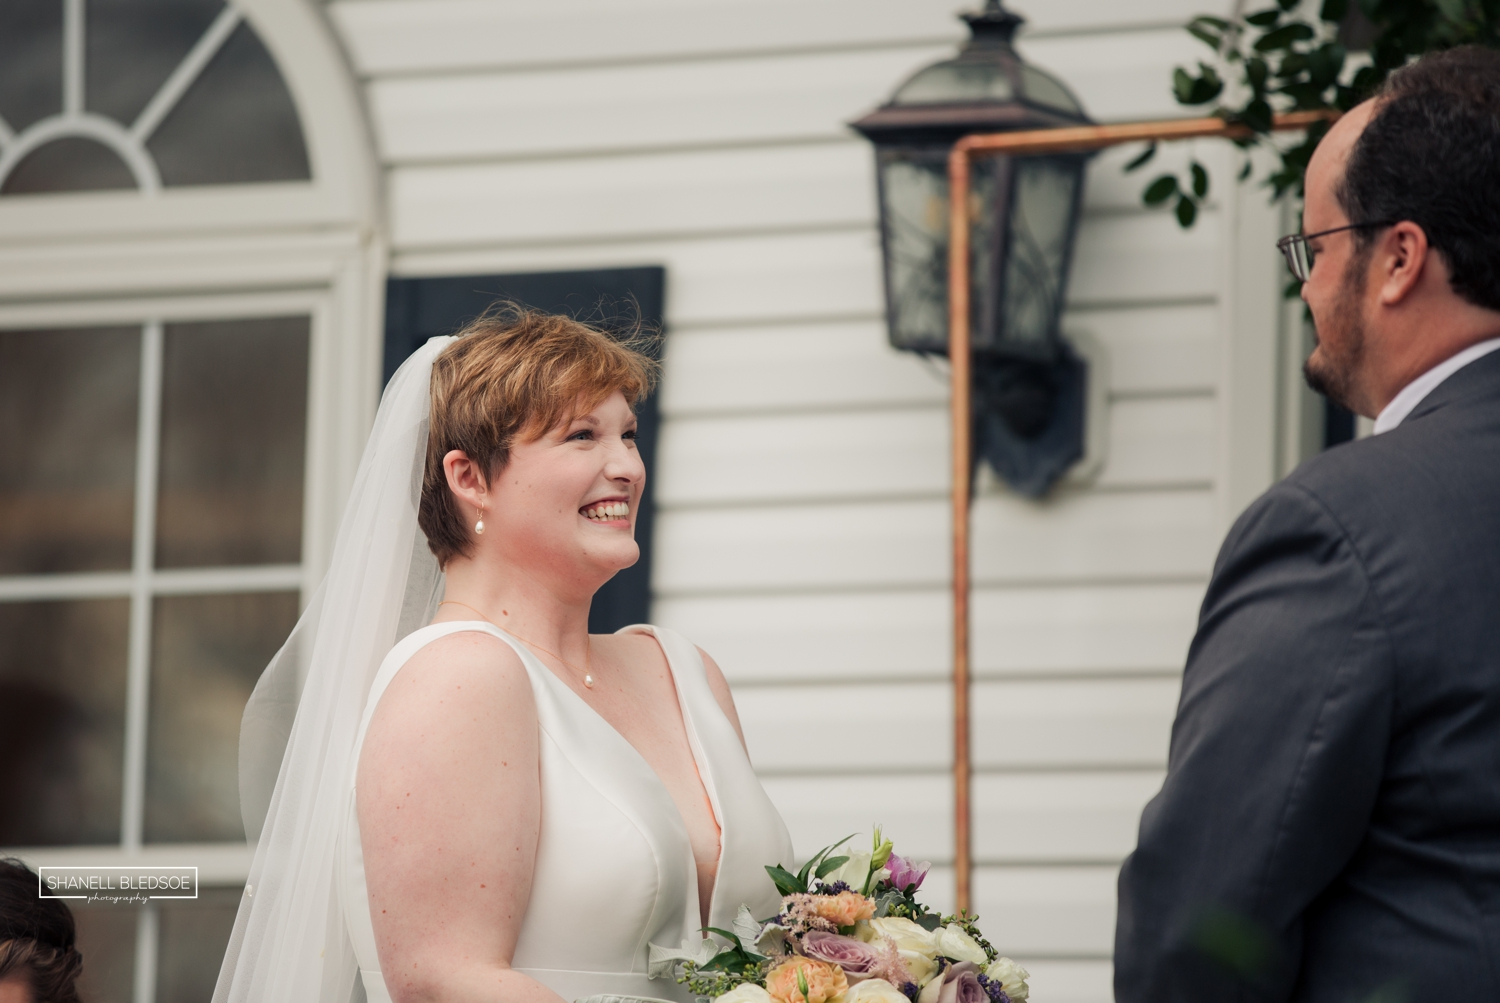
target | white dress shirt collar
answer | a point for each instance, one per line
(1417, 390)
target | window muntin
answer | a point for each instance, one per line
(133, 98)
(141, 666)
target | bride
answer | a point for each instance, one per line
(496, 805)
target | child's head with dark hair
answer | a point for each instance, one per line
(39, 958)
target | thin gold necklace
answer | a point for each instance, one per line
(588, 677)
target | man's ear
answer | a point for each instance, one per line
(1402, 257)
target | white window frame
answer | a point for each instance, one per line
(155, 255)
(220, 863)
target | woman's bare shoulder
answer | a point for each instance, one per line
(467, 669)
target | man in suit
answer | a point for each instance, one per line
(1329, 828)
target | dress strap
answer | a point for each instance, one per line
(414, 642)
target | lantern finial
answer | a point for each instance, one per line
(994, 25)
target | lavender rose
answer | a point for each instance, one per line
(958, 984)
(906, 874)
(855, 957)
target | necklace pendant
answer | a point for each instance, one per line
(588, 680)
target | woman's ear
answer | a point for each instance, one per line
(465, 479)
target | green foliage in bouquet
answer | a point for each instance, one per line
(846, 909)
(819, 867)
(1283, 59)
(729, 968)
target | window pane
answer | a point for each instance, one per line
(67, 449)
(235, 124)
(209, 651)
(106, 939)
(69, 164)
(194, 934)
(134, 45)
(233, 428)
(30, 61)
(62, 721)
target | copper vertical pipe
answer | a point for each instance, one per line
(1014, 143)
(962, 431)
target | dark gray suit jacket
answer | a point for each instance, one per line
(1329, 829)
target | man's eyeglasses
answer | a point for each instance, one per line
(1299, 254)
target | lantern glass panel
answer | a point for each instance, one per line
(914, 214)
(1045, 199)
(914, 190)
(1044, 89)
(957, 80)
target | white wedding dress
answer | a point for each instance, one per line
(614, 868)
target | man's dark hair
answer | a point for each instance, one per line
(37, 936)
(1431, 155)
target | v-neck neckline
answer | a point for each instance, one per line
(702, 766)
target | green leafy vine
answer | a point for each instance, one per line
(1283, 59)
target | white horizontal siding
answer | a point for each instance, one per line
(1049, 911)
(434, 36)
(821, 366)
(498, 115)
(713, 279)
(1094, 631)
(1043, 820)
(777, 98)
(802, 473)
(805, 457)
(1071, 980)
(1023, 725)
(1076, 537)
(628, 196)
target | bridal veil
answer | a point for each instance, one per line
(298, 736)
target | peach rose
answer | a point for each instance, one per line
(822, 981)
(845, 908)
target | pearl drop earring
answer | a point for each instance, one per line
(479, 526)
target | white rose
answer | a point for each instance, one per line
(953, 942)
(1012, 978)
(931, 992)
(851, 872)
(917, 947)
(907, 935)
(745, 992)
(874, 991)
(921, 966)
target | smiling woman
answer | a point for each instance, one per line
(519, 806)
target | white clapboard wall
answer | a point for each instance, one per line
(803, 529)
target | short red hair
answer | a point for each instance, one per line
(511, 376)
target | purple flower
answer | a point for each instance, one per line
(996, 992)
(855, 957)
(961, 985)
(905, 875)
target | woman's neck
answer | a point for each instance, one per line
(518, 602)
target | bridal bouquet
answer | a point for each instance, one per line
(850, 930)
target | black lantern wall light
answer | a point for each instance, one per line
(1029, 383)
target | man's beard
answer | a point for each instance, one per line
(1334, 377)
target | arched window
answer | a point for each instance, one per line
(145, 94)
(191, 269)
